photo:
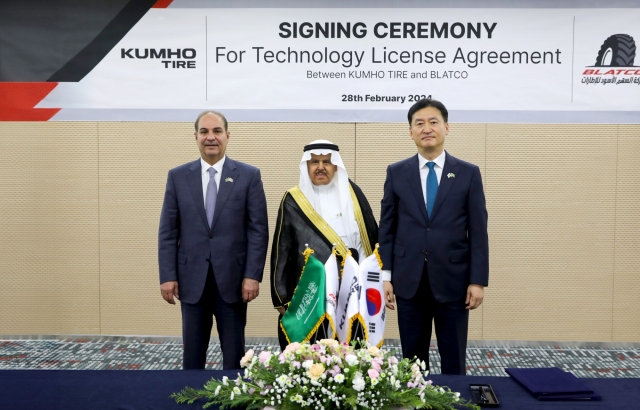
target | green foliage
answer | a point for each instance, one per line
(326, 376)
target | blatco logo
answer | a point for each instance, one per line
(614, 63)
(618, 50)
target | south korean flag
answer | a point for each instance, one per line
(372, 307)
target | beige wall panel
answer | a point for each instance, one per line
(276, 148)
(49, 225)
(551, 203)
(134, 161)
(626, 320)
(379, 145)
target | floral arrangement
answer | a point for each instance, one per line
(327, 375)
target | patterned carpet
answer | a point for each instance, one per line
(154, 354)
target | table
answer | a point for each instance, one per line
(150, 390)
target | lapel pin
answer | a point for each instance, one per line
(228, 179)
(451, 175)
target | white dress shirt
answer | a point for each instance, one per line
(424, 172)
(205, 175)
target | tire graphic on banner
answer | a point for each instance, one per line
(619, 50)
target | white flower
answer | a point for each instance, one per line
(339, 378)
(225, 380)
(307, 364)
(231, 396)
(215, 393)
(236, 390)
(282, 379)
(358, 383)
(351, 359)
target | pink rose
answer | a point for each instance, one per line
(373, 373)
(264, 357)
(292, 347)
(244, 362)
(375, 363)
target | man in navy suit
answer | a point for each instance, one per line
(433, 241)
(212, 244)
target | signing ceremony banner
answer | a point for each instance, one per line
(165, 63)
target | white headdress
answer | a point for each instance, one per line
(341, 181)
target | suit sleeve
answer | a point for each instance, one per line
(478, 235)
(257, 229)
(169, 233)
(388, 222)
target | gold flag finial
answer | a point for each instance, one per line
(375, 252)
(308, 251)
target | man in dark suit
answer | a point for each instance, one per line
(433, 241)
(212, 244)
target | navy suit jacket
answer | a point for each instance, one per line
(236, 244)
(454, 239)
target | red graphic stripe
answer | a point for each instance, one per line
(161, 4)
(18, 99)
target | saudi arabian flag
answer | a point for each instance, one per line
(306, 310)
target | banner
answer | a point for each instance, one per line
(346, 64)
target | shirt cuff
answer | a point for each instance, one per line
(386, 275)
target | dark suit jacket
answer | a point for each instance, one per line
(455, 239)
(236, 245)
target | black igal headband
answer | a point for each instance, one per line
(321, 145)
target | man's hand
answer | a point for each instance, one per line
(389, 298)
(250, 289)
(168, 290)
(281, 310)
(475, 295)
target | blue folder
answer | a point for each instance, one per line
(552, 383)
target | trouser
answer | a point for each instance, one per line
(451, 322)
(197, 322)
